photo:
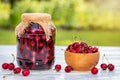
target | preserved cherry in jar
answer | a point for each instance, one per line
(35, 41)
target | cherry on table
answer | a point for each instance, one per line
(11, 66)
(104, 66)
(25, 72)
(94, 70)
(17, 70)
(57, 67)
(111, 67)
(68, 69)
(5, 65)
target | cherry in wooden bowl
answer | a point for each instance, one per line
(80, 60)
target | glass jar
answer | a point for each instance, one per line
(35, 41)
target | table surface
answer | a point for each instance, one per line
(112, 53)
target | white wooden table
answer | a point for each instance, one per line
(112, 53)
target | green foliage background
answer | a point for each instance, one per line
(72, 14)
(93, 21)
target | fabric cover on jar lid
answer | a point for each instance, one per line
(43, 19)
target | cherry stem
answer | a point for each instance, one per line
(104, 56)
(74, 38)
(13, 57)
(6, 75)
(107, 59)
(63, 49)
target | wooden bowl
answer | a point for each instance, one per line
(81, 61)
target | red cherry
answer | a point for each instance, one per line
(29, 36)
(94, 70)
(94, 49)
(103, 66)
(37, 37)
(72, 50)
(47, 48)
(111, 67)
(26, 41)
(37, 31)
(27, 30)
(51, 45)
(43, 37)
(17, 70)
(25, 72)
(41, 31)
(83, 44)
(76, 45)
(79, 50)
(32, 43)
(68, 69)
(40, 44)
(5, 65)
(28, 47)
(89, 49)
(69, 47)
(85, 51)
(41, 51)
(11, 66)
(49, 41)
(82, 47)
(34, 31)
(57, 67)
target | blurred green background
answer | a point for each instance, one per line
(95, 21)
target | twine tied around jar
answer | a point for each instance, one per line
(42, 19)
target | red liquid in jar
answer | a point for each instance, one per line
(33, 50)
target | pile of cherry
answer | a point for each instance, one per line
(16, 70)
(81, 47)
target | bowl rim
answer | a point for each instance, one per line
(82, 53)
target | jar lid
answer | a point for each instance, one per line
(43, 19)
